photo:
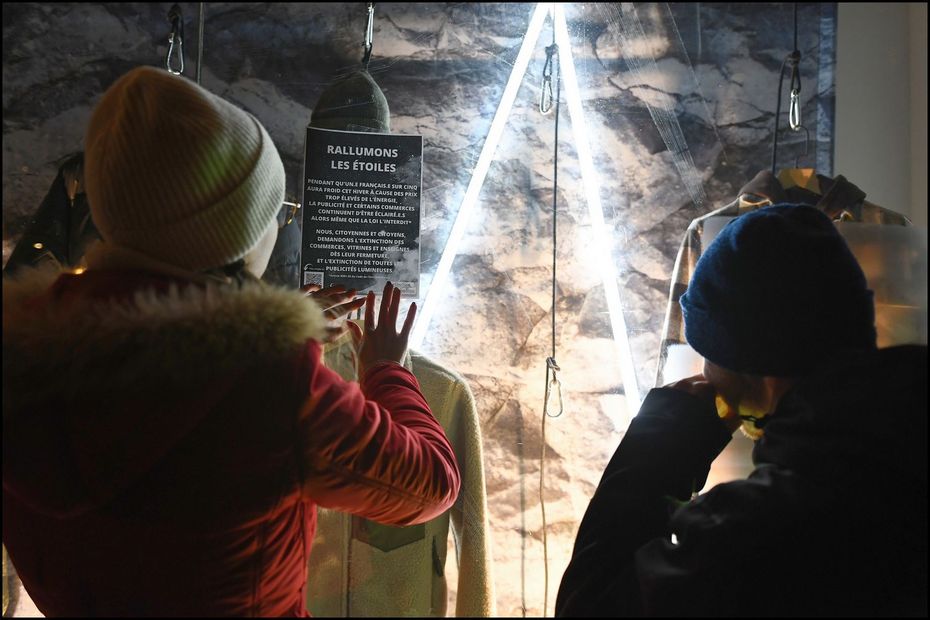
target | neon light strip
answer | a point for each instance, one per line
(589, 179)
(438, 285)
(592, 188)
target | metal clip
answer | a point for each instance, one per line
(545, 93)
(369, 34)
(794, 110)
(553, 385)
(175, 39)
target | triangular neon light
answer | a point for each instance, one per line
(589, 180)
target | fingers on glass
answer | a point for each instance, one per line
(370, 311)
(345, 308)
(408, 322)
(394, 309)
(385, 303)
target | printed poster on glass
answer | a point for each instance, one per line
(361, 215)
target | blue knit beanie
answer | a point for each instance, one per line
(776, 292)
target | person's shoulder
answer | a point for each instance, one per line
(854, 375)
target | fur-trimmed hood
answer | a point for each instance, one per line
(97, 365)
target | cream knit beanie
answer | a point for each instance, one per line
(177, 173)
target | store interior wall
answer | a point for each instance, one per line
(881, 103)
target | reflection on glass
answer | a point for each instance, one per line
(287, 213)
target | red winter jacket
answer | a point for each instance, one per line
(165, 445)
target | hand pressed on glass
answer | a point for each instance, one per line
(381, 342)
(337, 302)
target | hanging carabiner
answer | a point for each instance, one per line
(545, 92)
(794, 106)
(175, 41)
(553, 386)
(369, 34)
(794, 111)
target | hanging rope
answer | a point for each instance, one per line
(794, 107)
(369, 35)
(794, 111)
(545, 93)
(553, 387)
(174, 59)
(200, 42)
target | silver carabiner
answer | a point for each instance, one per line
(175, 41)
(545, 96)
(369, 34)
(794, 110)
(553, 386)
(545, 92)
(370, 31)
(557, 385)
(180, 54)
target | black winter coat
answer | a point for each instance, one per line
(832, 521)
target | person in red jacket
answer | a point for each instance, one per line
(168, 426)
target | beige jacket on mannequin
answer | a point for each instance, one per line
(361, 568)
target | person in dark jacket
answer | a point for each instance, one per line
(833, 519)
(169, 428)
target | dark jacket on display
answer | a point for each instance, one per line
(165, 445)
(833, 521)
(61, 229)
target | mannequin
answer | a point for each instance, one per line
(364, 569)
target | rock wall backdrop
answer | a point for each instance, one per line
(679, 102)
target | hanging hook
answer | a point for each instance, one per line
(176, 38)
(553, 386)
(199, 43)
(545, 93)
(794, 111)
(794, 103)
(369, 34)
(794, 107)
